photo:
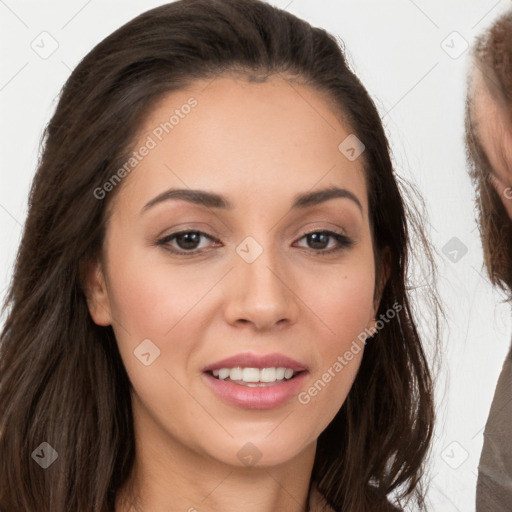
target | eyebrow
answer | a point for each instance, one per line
(213, 200)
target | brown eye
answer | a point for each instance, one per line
(186, 242)
(319, 241)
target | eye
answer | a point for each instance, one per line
(319, 240)
(188, 242)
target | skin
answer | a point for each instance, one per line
(493, 128)
(257, 144)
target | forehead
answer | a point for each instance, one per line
(232, 104)
(260, 135)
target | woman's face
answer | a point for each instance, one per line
(248, 280)
(493, 129)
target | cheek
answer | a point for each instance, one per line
(349, 301)
(344, 304)
(349, 312)
(153, 313)
(342, 298)
(148, 298)
(154, 309)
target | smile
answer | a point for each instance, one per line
(254, 376)
(256, 394)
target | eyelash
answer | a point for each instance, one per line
(344, 241)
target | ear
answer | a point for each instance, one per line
(94, 285)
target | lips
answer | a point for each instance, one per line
(266, 396)
(247, 393)
(251, 360)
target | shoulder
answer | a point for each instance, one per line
(494, 485)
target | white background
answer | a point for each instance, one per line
(418, 82)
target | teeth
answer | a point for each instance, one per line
(268, 375)
(234, 373)
(223, 373)
(249, 375)
(254, 374)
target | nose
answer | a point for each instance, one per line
(261, 293)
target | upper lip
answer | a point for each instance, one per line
(250, 360)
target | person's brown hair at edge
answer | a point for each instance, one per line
(488, 132)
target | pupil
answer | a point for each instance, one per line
(190, 240)
(316, 242)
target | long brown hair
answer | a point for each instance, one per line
(492, 57)
(62, 380)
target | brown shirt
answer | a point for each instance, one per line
(494, 486)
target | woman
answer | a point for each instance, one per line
(489, 150)
(209, 307)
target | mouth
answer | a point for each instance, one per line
(255, 377)
(256, 381)
(257, 394)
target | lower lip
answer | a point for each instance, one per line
(265, 397)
